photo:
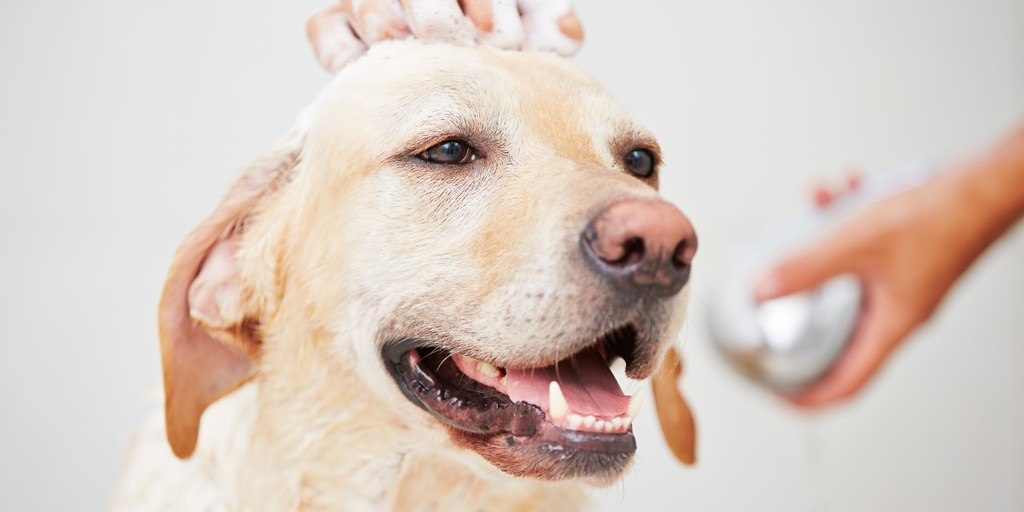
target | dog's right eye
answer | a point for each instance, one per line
(640, 162)
(450, 152)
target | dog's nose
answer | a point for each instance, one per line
(642, 246)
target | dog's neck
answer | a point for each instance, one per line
(340, 450)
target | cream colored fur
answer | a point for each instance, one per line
(345, 240)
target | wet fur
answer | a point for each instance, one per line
(342, 240)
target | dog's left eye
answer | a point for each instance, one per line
(453, 152)
(640, 162)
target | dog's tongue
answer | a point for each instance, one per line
(587, 383)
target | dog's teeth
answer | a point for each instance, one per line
(575, 420)
(635, 402)
(589, 421)
(626, 422)
(617, 423)
(488, 369)
(618, 368)
(557, 406)
(599, 425)
(503, 382)
(617, 365)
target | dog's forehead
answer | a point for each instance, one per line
(412, 84)
(414, 67)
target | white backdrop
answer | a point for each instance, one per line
(122, 122)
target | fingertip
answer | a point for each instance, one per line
(768, 287)
(333, 41)
(824, 393)
(441, 20)
(320, 21)
(810, 400)
(551, 25)
(570, 25)
(481, 13)
(498, 23)
(378, 20)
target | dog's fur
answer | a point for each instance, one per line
(340, 239)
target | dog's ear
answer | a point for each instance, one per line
(673, 412)
(208, 324)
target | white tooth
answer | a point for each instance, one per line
(626, 422)
(618, 365)
(575, 420)
(617, 423)
(589, 421)
(635, 402)
(608, 426)
(618, 369)
(557, 406)
(599, 425)
(487, 369)
(503, 382)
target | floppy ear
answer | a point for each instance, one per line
(208, 324)
(673, 412)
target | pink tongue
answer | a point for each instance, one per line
(587, 383)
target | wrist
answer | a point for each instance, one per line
(992, 187)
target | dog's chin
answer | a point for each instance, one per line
(565, 420)
(553, 453)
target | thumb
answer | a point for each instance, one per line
(809, 267)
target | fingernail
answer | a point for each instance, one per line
(767, 287)
(569, 24)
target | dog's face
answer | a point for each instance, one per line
(479, 233)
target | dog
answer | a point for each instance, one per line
(411, 301)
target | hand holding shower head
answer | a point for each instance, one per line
(788, 342)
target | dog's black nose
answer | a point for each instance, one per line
(642, 246)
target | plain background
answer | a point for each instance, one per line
(122, 123)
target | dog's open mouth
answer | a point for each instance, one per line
(574, 406)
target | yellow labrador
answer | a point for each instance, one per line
(411, 302)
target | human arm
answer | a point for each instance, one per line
(908, 251)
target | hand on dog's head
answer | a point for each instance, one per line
(342, 32)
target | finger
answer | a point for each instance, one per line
(838, 253)
(497, 22)
(334, 43)
(376, 20)
(551, 25)
(870, 347)
(481, 13)
(439, 20)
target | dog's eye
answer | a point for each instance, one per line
(640, 162)
(454, 152)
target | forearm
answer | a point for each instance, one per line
(1008, 172)
(992, 188)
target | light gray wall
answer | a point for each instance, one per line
(121, 123)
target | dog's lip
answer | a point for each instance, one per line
(478, 402)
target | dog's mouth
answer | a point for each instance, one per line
(572, 409)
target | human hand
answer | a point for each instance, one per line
(343, 31)
(907, 250)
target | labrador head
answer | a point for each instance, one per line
(468, 236)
